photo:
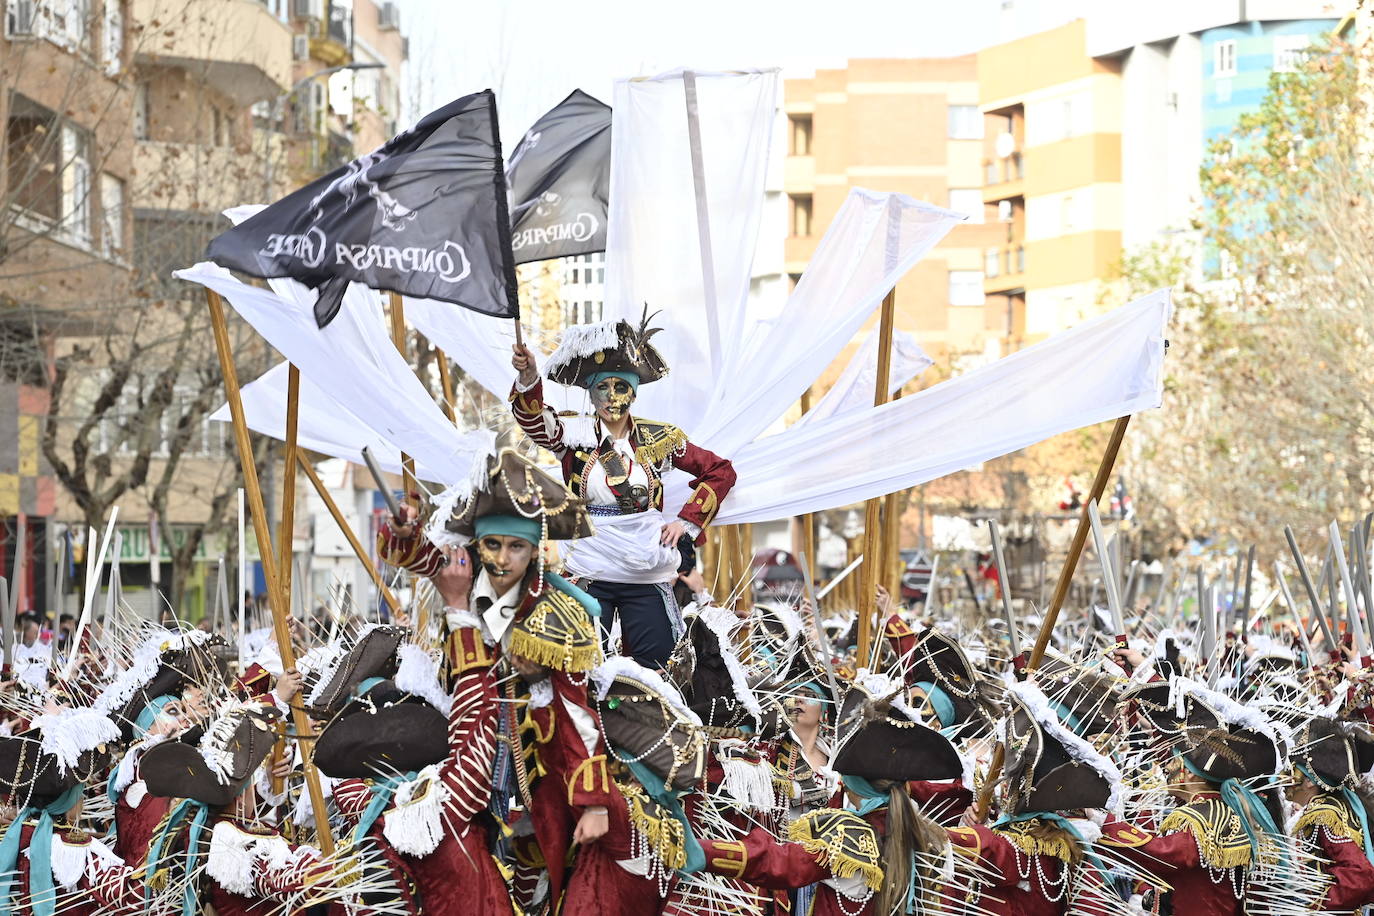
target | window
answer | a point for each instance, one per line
(1290, 51)
(112, 215)
(968, 201)
(992, 259)
(586, 275)
(112, 37)
(965, 287)
(801, 214)
(1224, 59)
(141, 111)
(965, 122)
(799, 135)
(76, 183)
(1068, 215)
(601, 275)
(33, 142)
(19, 18)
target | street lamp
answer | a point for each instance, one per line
(275, 111)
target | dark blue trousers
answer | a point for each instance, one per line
(646, 613)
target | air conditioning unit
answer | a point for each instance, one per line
(389, 17)
(307, 9)
(1004, 211)
(300, 47)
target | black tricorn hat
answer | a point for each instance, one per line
(514, 485)
(608, 346)
(1220, 739)
(1048, 768)
(879, 739)
(1089, 696)
(31, 777)
(1325, 748)
(213, 770)
(643, 716)
(938, 659)
(384, 732)
(373, 654)
(185, 659)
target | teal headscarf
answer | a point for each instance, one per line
(148, 717)
(940, 702)
(42, 892)
(625, 375)
(198, 813)
(512, 526)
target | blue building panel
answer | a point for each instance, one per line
(1225, 98)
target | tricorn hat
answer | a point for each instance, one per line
(372, 655)
(514, 488)
(643, 717)
(1048, 767)
(939, 661)
(58, 751)
(608, 346)
(165, 664)
(879, 737)
(381, 733)
(214, 769)
(1219, 738)
(1326, 749)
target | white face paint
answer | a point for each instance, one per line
(611, 398)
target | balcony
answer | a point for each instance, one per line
(1004, 177)
(1004, 268)
(194, 177)
(236, 46)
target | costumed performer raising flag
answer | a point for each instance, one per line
(617, 463)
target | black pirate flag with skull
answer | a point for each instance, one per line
(425, 215)
(560, 177)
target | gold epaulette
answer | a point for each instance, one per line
(842, 842)
(657, 441)
(1221, 840)
(1333, 814)
(557, 633)
(1056, 844)
(663, 832)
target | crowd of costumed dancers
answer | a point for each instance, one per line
(567, 722)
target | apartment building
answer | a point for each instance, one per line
(65, 232)
(911, 126)
(1052, 169)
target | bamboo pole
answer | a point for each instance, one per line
(287, 526)
(805, 543)
(446, 380)
(1061, 591)
(398, 337)
(323, 491)
(745, 558)
(260, 529)
(871, 574)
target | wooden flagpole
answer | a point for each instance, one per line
(260, 528)
(287, 525)
(1061, 591)
(323, 491)
(872, 572)
(398, 337)
(446, 380)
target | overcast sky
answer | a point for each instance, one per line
(534, 52)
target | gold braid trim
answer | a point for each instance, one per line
(657, 441)
(1334, 816)
(663, 832)
(1056, 844)
(830, 852)
(1216, 829)
(561, 656)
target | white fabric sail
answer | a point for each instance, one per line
(1104, 368)
(355, 362)
(855, 387)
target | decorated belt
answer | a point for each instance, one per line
(605, 510)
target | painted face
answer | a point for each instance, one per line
(504, 558)
(612, 397)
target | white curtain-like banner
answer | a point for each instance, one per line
(354, 363)
(1104, 368)
(856, 386)
(653, 240)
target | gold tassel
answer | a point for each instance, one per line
(831, 855)
(1232, 855)
(570, 659)
(664, 833)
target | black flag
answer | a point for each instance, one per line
(560, 176)
(425, 215)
